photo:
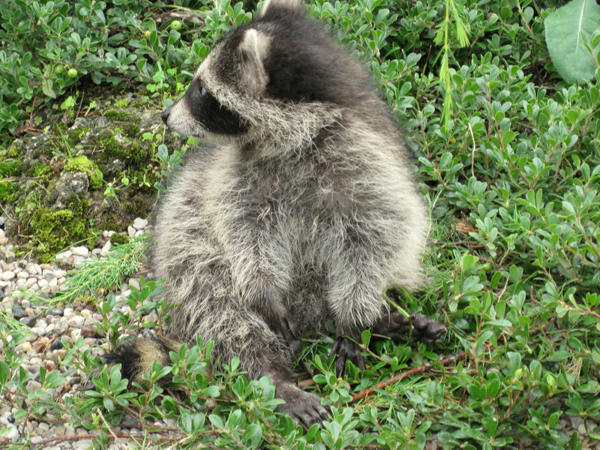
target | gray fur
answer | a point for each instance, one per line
(306, 217)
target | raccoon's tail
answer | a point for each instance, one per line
(136, 358)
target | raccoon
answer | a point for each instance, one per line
(303, 211)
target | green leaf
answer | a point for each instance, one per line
(252, 436)
(109, 404)
(216, 421)
(567, 31)
(4, 372)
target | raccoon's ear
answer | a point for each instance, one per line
(255, 47)
(271, 7)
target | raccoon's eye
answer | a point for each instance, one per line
(203, 90)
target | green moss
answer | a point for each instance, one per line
(126, 150)
(14, 151)
(39, 170)
(74, 137)
(11, 169)
(9, 192)
(119, 239)
(131, 130)
(57, 230)
(121, 116)
(122, 103)
(83, 164)
(138, 206)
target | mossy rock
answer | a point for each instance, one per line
(9, 191)
(115, 145)
(121, 116)
(83, 164)
(57, 230)
(119, 239)
(14, 151)
(74, 137)
(11, 169)
(39, 170)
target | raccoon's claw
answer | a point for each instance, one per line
(426, 329)
(287, 332)
(345, 349)
(398, 328)
(304, 408)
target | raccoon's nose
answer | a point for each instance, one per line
(165, 115)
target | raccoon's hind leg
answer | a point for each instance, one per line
(359, 270)
(244, 333)
(238, 331)
(418, 327)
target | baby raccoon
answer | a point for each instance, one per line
(303, 213)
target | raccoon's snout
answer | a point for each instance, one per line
(165, 115)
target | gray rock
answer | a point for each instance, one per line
(76, 321)
(33, 386)
(11, 434)
(10, 256)
(139, 223)
(80, 251)
(28, 321)
(49, 275)
(70, 185)
(83, 444)
(60, 273)
(18, 312)
(33, 269)
(7, 276)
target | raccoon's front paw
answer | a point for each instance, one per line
(345, 349)
(398, 328)
(304, 408)
(286, 330)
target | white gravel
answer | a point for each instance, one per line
(22, 282)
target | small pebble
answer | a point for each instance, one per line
(80, 251)
(7, 276)
(18, 312)
(28, 321)
(139, 223)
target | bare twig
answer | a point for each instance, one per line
(413, 371)
(473, 151)
(110, 429)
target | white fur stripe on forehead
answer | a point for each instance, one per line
(290, 5)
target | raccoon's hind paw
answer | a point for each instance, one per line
(398, 328)
(345, 349)
(304, 408)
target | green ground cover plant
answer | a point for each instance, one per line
(508, 158)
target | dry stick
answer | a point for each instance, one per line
(92, 436)
(456, 357)
(110, 429)
(473, 151)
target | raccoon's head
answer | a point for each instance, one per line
(278, 79)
